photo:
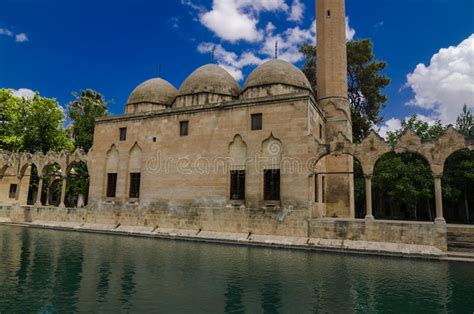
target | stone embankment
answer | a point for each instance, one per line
(302, 243)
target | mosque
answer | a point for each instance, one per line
(214, 144)
(274, 157)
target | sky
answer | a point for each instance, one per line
(55, 47)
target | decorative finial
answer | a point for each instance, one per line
(159, 70)
(276, 50)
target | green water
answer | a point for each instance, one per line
(52, 271)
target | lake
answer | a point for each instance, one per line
(44, 271)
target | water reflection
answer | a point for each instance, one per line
(103, 285)
(128, 286)
(47, 271)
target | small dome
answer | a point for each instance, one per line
(212, 79)
(154, 91)
(277, 72)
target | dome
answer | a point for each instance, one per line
(277, 72)
(212, 79)
(154, 91)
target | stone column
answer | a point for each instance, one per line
(63, 192)
(368, 197)
(40, 191)
(438, 198)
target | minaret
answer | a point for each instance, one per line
(332, 97)
(332, 64)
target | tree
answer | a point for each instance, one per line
(405, 180)
(31, 125)
(422, 128)
(365, 83)
(458, 179)
(83, 111)
(465, 122)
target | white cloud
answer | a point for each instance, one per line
(24, 93)
(395, 124)
(230, 60)
(297, 11)
(289, 42)
(379, 24)
(447, 83)
(235, 20)
(350, 32)
(390, 126)
(21, 38)
(18, 37)
(6, 32)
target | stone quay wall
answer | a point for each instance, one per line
(407, 232)
(231, 220)
(286, 223)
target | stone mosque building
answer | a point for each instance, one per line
(271, 158)
(214, 144)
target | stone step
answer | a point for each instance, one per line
(464, 255)
(459, 250)
(461, 237)
(461, 244)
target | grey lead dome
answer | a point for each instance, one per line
(210, 78)
(277, 72)
(154, 91)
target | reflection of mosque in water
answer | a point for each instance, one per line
(69, 272)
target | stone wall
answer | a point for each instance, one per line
(232, 220)
(194, 171)
(293, 223)
(407, 232)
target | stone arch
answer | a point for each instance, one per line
(331, 186)
(445, 146)
(30, 170)
(397, 167)
(112, 160)
(50, 159)
(3, 170)
(51, 189)
(134, 175)
(370, 150)
(458, 189)
(135, 158)
(272, 152)
(77, 184)
(238, 153)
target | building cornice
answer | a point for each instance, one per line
(230, 105)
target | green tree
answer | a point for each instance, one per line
(422, 128)
(83, 111)
(458, 179)
(405, 180)
(458, 185)
(365, 83)
(465, 122)
(31, 125)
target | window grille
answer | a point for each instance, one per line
(272, 185)
(135, 185)
(237, 185)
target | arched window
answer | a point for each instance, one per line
(238, 155)
(135, 169)
(112, 165)
(272, 149)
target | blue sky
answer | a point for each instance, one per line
(56, 47)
